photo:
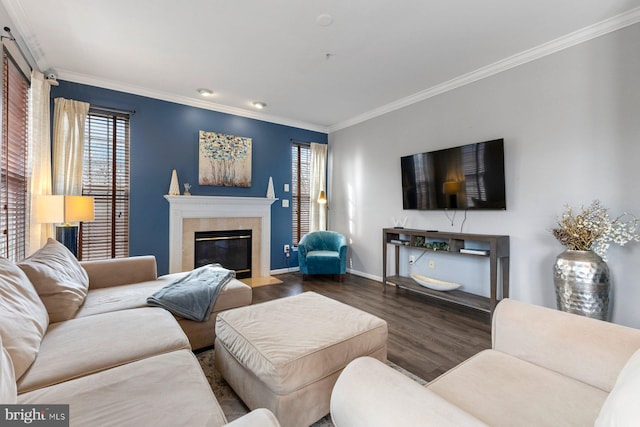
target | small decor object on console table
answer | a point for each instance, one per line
(434, 246)
(399, 222)
(581, 274)
(435, 284)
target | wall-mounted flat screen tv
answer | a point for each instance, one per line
(466, 177)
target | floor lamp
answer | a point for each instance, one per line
(65, 210)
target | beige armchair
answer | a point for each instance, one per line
(545, 368)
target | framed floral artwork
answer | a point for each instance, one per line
(224, 160)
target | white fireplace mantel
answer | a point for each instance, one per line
(182, 207)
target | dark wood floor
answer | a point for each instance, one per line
(426, 337)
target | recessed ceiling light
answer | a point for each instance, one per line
(324, 20)
(205, 92)
(259, 105)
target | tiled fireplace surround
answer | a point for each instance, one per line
(188, 214)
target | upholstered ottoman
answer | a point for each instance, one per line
(286, 354)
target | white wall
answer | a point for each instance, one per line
(571, 125)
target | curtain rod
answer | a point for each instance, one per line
(297, 141)
(111, 110)
(105, 109)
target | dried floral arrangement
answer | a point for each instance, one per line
(592, 230)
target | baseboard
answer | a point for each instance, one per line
(284, 270)
(366, 275)
(349, 270)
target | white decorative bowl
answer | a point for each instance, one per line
(435, 284)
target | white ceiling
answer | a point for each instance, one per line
(383, 54)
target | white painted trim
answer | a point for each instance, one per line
(184, 100)
(284, 270)
(18, 16)
(365, 275)
(181, 207)
(614, 23)
(19, 20)
(354, 272)
(572, 39)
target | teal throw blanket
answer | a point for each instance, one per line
(194, 295)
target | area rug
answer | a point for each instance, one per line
(231, 404)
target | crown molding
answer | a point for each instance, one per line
(184, 100)
(18, 19)
(572, 39)
(17, 15)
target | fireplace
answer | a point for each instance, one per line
(188, 214)
(229, 248)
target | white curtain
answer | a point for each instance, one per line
(318, 175)
(68, 145)
(39, 157)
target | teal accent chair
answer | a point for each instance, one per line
(323, 252)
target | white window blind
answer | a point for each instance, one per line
(301, 186)
(106, 178)
(13, 161)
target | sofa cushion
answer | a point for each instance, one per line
(321, 262)
(201, 334)
(23, 316)
(8, 391)
(100, 342)
(621, 407)
(523, 331)
(59, 279)
(104, 273)
(165, 390)
(135, 295)
(370, 393)
(115, 298)
(502, 390)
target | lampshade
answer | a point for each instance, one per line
(322, 198)
(452, 187)
(64, 209)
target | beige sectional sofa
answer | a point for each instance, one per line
(545, 368)
(119, 284)
(114, 360)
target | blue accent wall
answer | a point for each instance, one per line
(164, 136)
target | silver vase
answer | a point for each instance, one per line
(582, 284)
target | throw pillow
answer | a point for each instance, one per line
(621, 407)
(59, 278)
(8, 389)
(23, 317)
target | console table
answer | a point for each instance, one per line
(497, 252)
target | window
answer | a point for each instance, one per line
(474, 168)
(106, 177)
(13, 161)
(300, 198)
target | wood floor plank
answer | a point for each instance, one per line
(426, 336)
